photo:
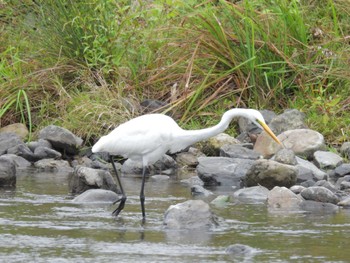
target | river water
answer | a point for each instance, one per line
(39, 223)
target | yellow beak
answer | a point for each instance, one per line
(268, 130)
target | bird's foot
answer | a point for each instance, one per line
(120, 207)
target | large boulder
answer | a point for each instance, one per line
(270, 173)
(61, 139)
(9, 140)
(85, 178)
(192, 214)
(7, 173)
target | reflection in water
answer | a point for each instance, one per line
(39, 223)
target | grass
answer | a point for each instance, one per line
(86, 65)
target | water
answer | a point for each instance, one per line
(39, 223)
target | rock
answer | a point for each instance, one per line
(192, 214)
(23, 151)
(223, 171)
(61, 139)
(96, 196)
(212, 146)
(17, 128)
(52, 165)
(317, 173)
(160, 177)
(200, 190)
(266, 146)
(132, 168)
(255, 193)
(8, 140)
(344, 185)
(85, 178)
(281, 198)
(341, 181)
(285, 156)
(19, 161)
(151, 106)
(40, 143)
(269, 173)
(188, 159)
(246, 126)
(327, 160)
(345, 149)
(43, 152)
(290, 119)
(345, 202)
(241, 253)
(165, 163)
(194, 180)
(296, 189)
(7, 173)
(237, 151)
(318, 207)
(342, 170)
(319, 194)
(84, 161)
(327, 185)
(221, 200)
(303, 142)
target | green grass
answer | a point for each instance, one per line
(86, 65)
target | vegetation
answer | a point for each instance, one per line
(87, 65)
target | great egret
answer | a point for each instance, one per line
(148, 137)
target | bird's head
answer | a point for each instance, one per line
(257, 118)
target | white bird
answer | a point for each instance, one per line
(148, 137)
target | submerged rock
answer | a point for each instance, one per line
(269, 173)
(254, 193)
(96, 196)
(241, 253)
(7, 173)
(192, 214)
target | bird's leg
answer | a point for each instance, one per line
(142, 193)
(122, 200)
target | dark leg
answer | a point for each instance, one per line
(142, 193)
(123, 198)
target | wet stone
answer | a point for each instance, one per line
(319, 194)
(200, 190)
(52, 165)
(7, 173)
(254, 193)
(237, 151)
(96, 196)
(318, 207)
(192, 214)
(281, 198)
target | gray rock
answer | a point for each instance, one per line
(254, 193)
(344, 185)
(165, 163)
(96, 196)
(52, 165)
(266, 146)
(318, 207)
(19, 161)
(85, 178)
(319, 194)
(211, 147)
(61, 139)
(194, 180)
(241, 253)
(188, 159)
(7, 173)
(133, 168)
(290, 119)
(160, 177)
(327, 185)
(34, 144)
(345, 202)
(192, 214)
(296, 189)
(317, 173)
(342, 170)
(246, 126)
(327, 160)
(303, 142)
(341, 181)
(285, 156)
(200, 190)
(23, 151)
(269, 173)
(17, 128)
(43, 152)
(281, 198)
(237, 151)
(345, 149)
(223, 171)
(8, 140)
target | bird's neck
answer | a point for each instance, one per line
(203, 134)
